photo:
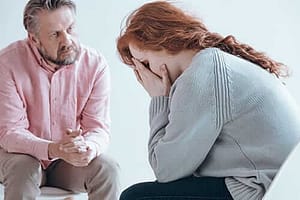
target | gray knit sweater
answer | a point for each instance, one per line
(224, 117)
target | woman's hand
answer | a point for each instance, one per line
(153, 84)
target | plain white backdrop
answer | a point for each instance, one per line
(271, 26)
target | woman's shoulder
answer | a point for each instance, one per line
(207, 53)
(204, 61)
(201, 69)
(208, 57)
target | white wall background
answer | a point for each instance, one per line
(271, 26)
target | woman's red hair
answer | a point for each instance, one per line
(160, 25)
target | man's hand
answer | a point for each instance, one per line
(74, 142)
(73, 149)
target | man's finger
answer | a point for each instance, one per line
(75, 133)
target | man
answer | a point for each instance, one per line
(54, 124)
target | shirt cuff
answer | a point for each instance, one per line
(41, 150)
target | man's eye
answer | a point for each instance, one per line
(54, 35)
(70, 29)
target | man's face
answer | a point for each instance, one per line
(56, 38)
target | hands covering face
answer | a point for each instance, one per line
(152, 83)
(74, 149)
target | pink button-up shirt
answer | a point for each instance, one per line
(38, 104)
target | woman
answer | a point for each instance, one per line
(221, 121)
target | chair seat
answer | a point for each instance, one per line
(52, 192)
(49, 193)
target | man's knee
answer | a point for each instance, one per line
(22, 175)
(23, 167)
(104, 178)
(107, 166)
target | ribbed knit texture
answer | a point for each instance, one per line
(224, 117)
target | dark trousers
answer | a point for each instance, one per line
(190, 188)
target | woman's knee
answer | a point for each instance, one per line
(135, 192)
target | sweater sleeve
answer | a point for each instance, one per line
(185, 126)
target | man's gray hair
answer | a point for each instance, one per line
(33, 7)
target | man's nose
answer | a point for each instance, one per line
(66, 39)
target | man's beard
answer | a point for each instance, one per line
(70, 59)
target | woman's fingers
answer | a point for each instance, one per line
(165, 75)
(154, 84)
(165, 79)
(138, 64)
(142, 70)
(138, 77)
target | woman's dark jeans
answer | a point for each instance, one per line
(190, 188)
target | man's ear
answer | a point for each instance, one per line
(33, 38)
